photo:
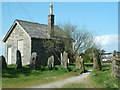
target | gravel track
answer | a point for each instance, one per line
(65, 81)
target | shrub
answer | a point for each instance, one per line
(36, 72)
(61, 69)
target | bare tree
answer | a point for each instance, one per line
(83, 39)
(54, 46)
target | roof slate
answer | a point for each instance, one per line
(36, 30)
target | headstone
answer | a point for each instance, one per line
(78, 62)
(3, 62)
(68, 60)
(18, 60)
(96, 60)
(114, 53)
(64, 59)
(82, 64)
(33, 60)
(61, 57)
(116, 65)
(50, 62)
(113, 67)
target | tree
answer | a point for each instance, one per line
(81, 36)
(102, 51)
(55, 46)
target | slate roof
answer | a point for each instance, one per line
(38, 31)
(35, 30)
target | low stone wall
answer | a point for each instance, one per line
(116, 68)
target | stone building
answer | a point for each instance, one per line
(28, 37)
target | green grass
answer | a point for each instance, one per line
(104, 78)
(97, 79)
(26, 77)
(88, 66)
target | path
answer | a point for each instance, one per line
(65, 81)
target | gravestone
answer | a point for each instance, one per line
(50, 62)
(68, 60)
(61, 57)
(96, 59)
(80, 63)
(64, 59)
(3, 63)
(116, 65)
(114, 53)
(18, 60)
(33, 60)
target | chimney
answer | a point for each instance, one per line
(51, 22)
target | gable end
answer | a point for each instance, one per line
(9, 32)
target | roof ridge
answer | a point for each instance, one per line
(30, 22)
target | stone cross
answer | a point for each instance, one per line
(3, 63)
(50, 62)
(18, 60)
(33, 60)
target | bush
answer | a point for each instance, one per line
(78, 71)
(61, 69)
(86, 58)
(71, 67)
(36, 72)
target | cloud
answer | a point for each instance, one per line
(108, 42)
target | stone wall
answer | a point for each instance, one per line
(19, 34)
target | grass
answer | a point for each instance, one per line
(97, 79)
(26, 77)
(88, 66)
(104, 78)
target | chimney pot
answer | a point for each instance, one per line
(51, 9)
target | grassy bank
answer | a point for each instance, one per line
(26, 77)
(97, 79)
